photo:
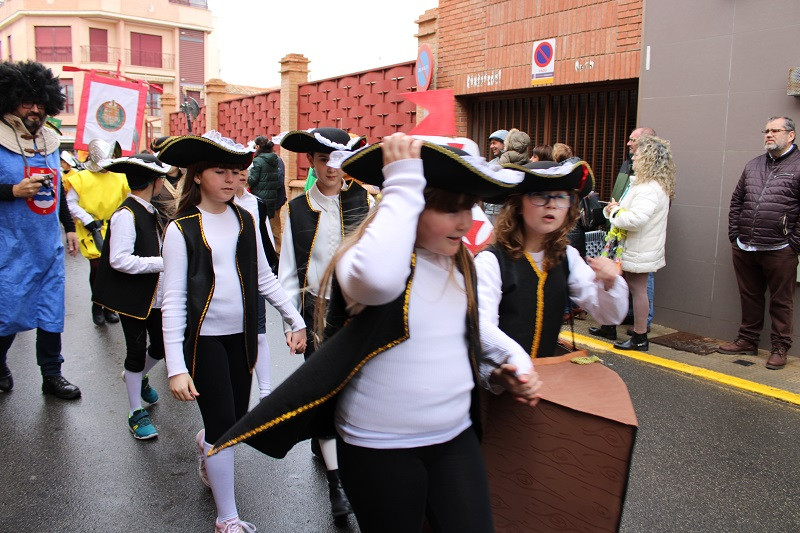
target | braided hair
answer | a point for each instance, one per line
(29, 81)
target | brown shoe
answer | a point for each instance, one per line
(739, 346)
(777, 358)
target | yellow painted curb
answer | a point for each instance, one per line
(719, 377)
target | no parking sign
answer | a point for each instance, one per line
(544, 60)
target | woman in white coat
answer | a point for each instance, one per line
(639, 219)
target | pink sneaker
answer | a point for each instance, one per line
(201, 459)
(234, 525)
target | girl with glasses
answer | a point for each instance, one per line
(526, 277)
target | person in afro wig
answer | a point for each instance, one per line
(29, 82)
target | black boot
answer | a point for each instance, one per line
(6, 382)
(638, 341)
(59, 387)
(607, 332)
(110, 316)
(340, 505)
(98, 317)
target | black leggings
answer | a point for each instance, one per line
(223, 379)
(136, 332)
(393, 490)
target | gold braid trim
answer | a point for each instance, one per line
(291, 414)
(213, 285)
(537, 336)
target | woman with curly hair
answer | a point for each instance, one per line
(525, 278)
(639, 219)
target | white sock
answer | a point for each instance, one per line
(149, 363)
(220, 474)
(328, 447)
(133, 382)
(263, 370)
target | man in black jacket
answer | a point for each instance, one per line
(764, 231)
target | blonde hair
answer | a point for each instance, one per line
(436, 199)
(561, 152)
(509, 231)
(654, 162)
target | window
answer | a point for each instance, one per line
(53, 44)
(154, 100)
(69, 91)
(145, 50)
(10, 57)
(98, 45)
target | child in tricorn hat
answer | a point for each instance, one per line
(525, 278)
(215, 271)
(128, 281)
(396, 375)
(315, 224)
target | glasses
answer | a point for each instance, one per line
(560, 201)
(29, 105)
(773, 131)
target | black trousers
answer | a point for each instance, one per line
(393, 490)
(223, 379)
(48, 352)
(136, 332)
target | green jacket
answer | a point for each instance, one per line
(266, 179)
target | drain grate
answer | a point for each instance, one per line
(744, 362)
(688, 342)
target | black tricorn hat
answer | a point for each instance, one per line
(157, 144)
(187, 150)
(541, 176)
(140, 169)
(319, 140)
(445, 167)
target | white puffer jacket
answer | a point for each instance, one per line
(643, 213)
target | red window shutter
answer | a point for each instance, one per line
(98, 45)
(192, 57)
(53, 44)
(146, 50)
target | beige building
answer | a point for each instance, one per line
(164, 42)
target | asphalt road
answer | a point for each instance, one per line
(707, 458)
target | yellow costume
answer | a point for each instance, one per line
(100, 194)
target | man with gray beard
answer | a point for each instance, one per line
(764, 231)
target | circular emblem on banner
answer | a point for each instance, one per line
(110, 116)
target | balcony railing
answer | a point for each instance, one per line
(193, 3)
(142, 58)
(54, 54)
(94, 53)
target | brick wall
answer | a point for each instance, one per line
(178, 126)
(244, 119)
(492, 40)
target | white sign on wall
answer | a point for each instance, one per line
(544, 60)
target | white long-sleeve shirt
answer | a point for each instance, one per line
(418, 392)
(250, 202)
(76, 210)
(606, 306)
(328, 239)
(123, 238)
(225, 314)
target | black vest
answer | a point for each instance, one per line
(200, 281)
(531, 308)
(130, 294)
(303, 405)
(353, 207)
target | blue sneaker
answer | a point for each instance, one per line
(149, 394)
(141, 426)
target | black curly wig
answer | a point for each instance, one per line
(29, 81)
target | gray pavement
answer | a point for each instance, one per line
(708, 457)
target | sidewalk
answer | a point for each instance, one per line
(781, 384)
